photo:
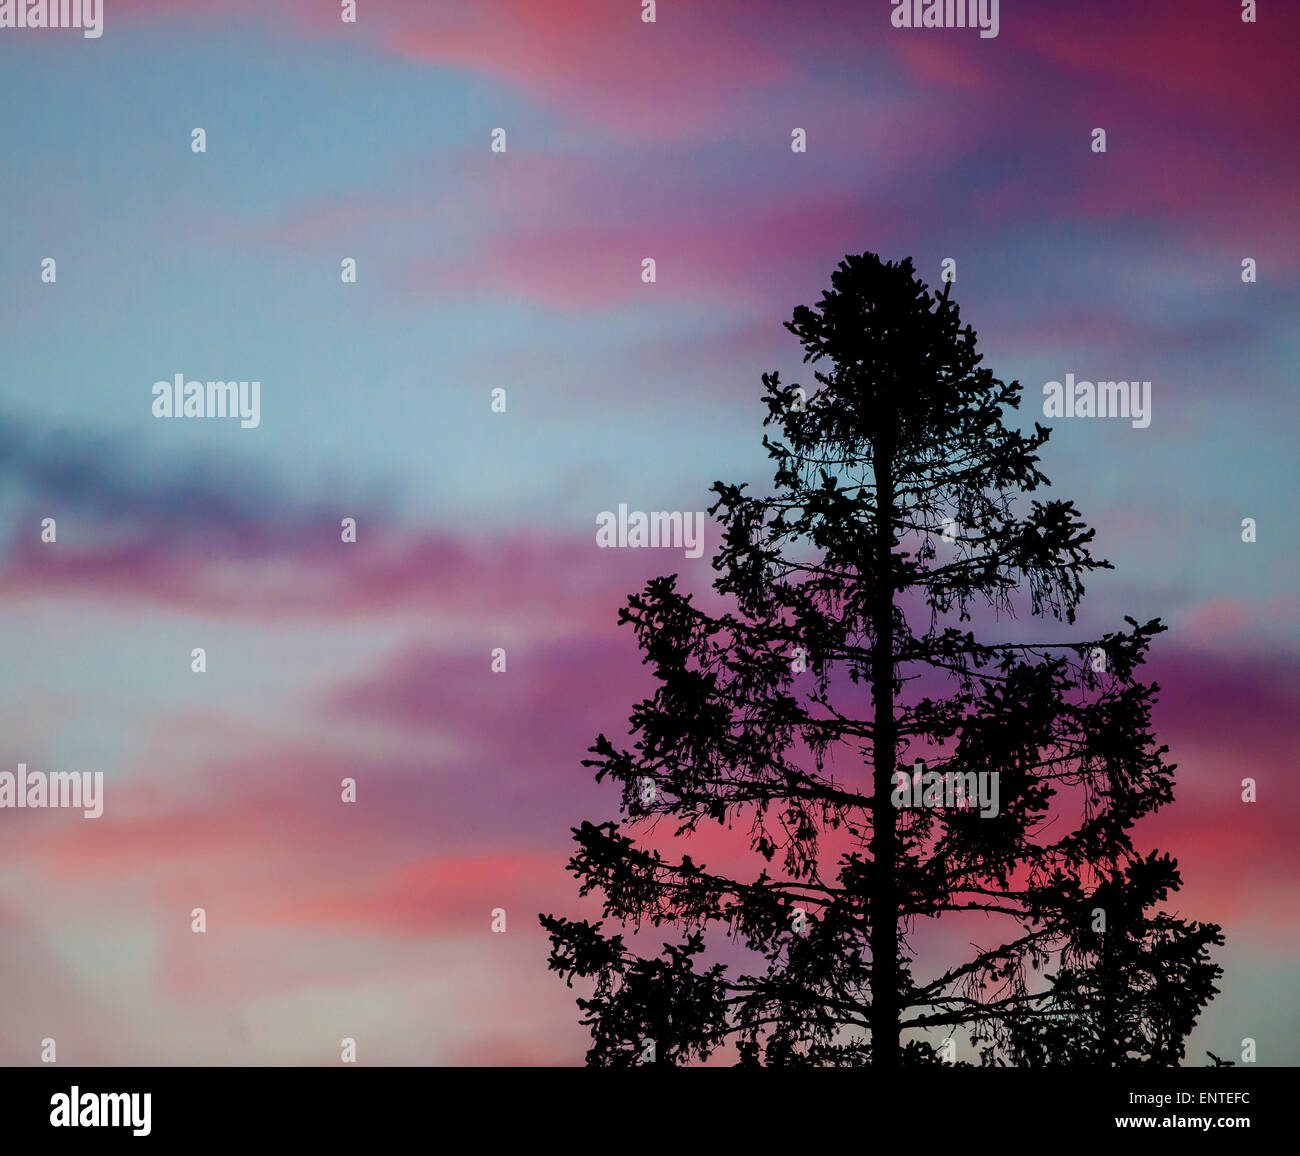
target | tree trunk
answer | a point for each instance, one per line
(884, 1013)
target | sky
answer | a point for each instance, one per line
(522, 270)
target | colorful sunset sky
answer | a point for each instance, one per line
(475, 530)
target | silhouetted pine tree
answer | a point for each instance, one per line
(896, 514)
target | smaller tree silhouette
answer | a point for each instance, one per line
(1131, 983)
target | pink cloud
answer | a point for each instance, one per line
(391, 574)
(945, 62)
(599, 59)
(1200, 55)
(744, 256)
(437, 894)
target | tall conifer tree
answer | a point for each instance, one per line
(843, 684)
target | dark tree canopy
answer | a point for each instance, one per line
(902, 511)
